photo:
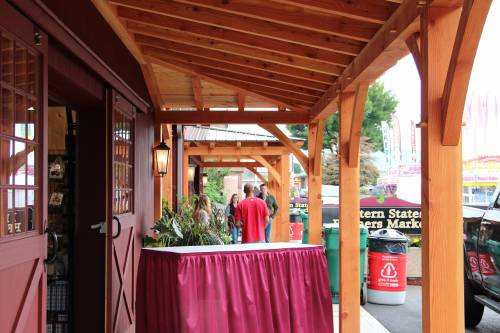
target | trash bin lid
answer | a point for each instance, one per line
(389, 235)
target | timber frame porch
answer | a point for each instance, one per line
(305, 60)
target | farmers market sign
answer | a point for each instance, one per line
(375, 214)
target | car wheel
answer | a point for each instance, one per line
(473, 309)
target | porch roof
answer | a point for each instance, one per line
(216, 134)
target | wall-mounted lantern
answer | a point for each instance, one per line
(162, 156)
(205, 179)
(191, 172)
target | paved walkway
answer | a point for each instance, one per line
(368, 323)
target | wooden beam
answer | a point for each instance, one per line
(293, 17)
(314, 188)
(349, 312)
(414, 48)
(390, 37)
(246, 25)
(318, 160)
(202, 61)
(228, 117)
(272, 170)
(195, 70)
(157, 190)
(185, 168)
(368, 11)
(241, 102)
(443, 271)
(299, 154)
(281, 227)
(357, 124)
(197, 93)
(296, 56)
(231, 151)
(471, 25)
(231, 165)
(258, 174)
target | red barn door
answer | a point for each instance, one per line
(121, 250)
(23, 198)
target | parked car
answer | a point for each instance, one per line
(482, 260)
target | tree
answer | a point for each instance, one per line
(215, 184)
(368, 170)
(380, 106)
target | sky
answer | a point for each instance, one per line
(403, 79)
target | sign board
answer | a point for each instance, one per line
(392, 213)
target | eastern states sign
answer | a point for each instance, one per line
(375, 214)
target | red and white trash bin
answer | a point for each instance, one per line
(387, 257)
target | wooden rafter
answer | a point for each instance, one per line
(241, 102)
(299, 154)
(194, 70)
(197, 93)
(231, 165)
(318, 162)
(471, 25)
(225, 117)
(231, 151)
(270, 169)
(357, 123)
(401, 24)
(304, 58)
(290, 16)
(242, 70)
(247, 25)
(370, 11)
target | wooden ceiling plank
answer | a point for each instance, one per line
(193, 70)
(402, 23)
(197, 93)
(294, 17)
(228, 117)
(284, 139)
(471, 25)
(247, 25)
(286, 60)
(368, 11)
(216, 64)
(141, 20)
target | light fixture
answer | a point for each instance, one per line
(162, 155)
(205, 179)
(191, 172)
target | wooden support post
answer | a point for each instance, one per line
(349, 223)
(166, 181)
(281, 228)
(314, 175)
(442, 234)
(185, 177)
(157, 179)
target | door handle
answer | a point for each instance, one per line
(119, 227)
(55, 240)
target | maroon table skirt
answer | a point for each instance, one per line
(276, 290)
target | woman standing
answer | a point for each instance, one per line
(203, 210)
(230, 211)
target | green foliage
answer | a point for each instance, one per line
(297, 168)
(180, 229)
(215, 184)
(368, 170)
(379, 107)
(415, 242)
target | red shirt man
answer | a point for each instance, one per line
(254, 215)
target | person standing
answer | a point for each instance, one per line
(203, 210)
(272, 206)
(230, 212)
(252, 214)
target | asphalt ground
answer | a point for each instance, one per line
(407, 318)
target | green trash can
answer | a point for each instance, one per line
(305, 221)
(331, 235)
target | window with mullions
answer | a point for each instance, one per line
(123, 163)
(18, 137)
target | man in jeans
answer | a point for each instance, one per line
(272, 206)
(253, 216)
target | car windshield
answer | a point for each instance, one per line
(329, 191)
